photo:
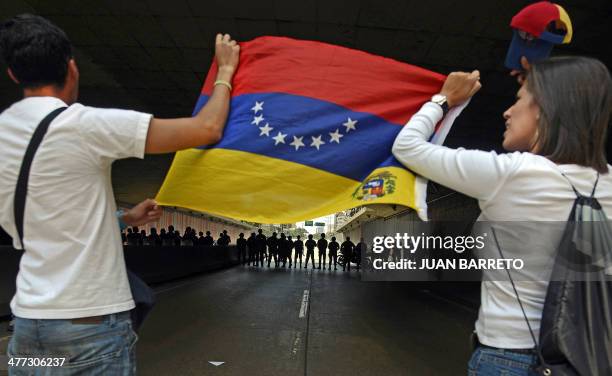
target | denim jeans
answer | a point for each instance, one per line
(106, 348)
(487, 361)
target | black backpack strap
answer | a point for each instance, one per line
(576, 191)
(595, 186)
(533, 338)
(572, 185)
(21, 190)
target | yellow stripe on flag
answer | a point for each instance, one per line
(261, 189)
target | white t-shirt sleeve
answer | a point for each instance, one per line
(112, 134)
(476, 173)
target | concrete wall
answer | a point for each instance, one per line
(200, 222)
(160, 264)
(152, 264)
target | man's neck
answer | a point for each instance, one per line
(47, 91)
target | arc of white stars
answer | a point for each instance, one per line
(317, 142)
(257, 120)
(350, 125)
(279, 138)
(258, 107)
(297, 142)
(335, 136)
(265, 130)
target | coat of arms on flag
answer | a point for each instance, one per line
(309, 133)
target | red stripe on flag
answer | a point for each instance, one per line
(353, 79)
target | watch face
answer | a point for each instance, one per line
(438, 98)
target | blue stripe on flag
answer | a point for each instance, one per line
(358, 152)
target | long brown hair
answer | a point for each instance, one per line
(575, 99)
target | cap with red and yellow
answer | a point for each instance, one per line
(537, 28)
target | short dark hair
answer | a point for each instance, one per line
(575, 99)
(36, 51)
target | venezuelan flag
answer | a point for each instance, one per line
(309, 133)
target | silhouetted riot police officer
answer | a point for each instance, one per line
(228, 240)
(252, 249)
(360, 249)
(208, 240)
(283, 249)
(273, 249)
(261, 247)
(347, 251)
(221, 240)
(290, 250)
(333, 252)
(299, 251)
(241, 244)
(322, 246)
(310, 246)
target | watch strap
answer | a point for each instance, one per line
(444, 106)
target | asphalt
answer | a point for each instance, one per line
(250, 319)
(267, 321)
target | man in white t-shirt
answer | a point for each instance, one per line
(73, 295)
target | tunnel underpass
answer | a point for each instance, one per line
(152, 56)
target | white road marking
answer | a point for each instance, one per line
(304, 307)
(296, 343)
(216, 364)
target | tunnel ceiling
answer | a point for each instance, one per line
(152, 55)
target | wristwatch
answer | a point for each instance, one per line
(441, 101)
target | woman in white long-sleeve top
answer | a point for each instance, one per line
(557, 127)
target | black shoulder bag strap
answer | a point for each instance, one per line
(21, 190)
(143, 295)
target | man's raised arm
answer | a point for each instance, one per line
(206, 127)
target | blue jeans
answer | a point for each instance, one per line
(487, 361)
(105, 348)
